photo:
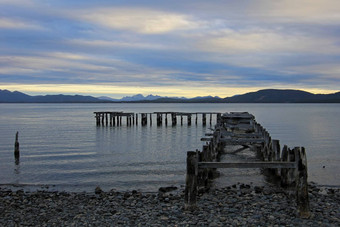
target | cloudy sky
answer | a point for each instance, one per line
(170, 48)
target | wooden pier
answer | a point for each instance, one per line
(130, 119)
(240, 128)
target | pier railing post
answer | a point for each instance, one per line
(191, 181)
(302, 199)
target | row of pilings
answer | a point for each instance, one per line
(117, 118)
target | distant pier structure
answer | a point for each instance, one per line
(118, 118)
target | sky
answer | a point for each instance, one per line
(169, 48)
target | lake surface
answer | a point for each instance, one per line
(61, 146)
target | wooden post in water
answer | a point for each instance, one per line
(150, 118)
(189, 119)
(144, 119)
(204, 119)
(218, 118)
(196, 119)
(136, 118)
(166, 119)
(211, 118)
(159, 119)
(191, 181)
(181, 119)
(302, 198)
(102, 116)
(16, 147)
(173, 119)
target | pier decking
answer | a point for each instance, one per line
(241, 129)
(119, 118)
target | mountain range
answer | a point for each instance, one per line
(261, 96)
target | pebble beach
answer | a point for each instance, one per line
(238, 205)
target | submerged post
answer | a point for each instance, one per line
(16, 146)
(191, 181)
(302, 199)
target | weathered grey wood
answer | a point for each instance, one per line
(247, 165)
(291, 172)
(240, 149)
(189, 119)
(302, 198)
(277, 154)
(241, 141)
(191, 181)
(16, 146)
(284, 158)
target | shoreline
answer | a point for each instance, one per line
(240, 204)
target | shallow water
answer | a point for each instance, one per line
(61, 145)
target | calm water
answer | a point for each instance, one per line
(60, 144)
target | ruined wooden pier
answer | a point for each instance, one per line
(118, 118)
(241, 129)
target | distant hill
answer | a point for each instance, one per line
(283, 96)
(18, 97)
(261, 96)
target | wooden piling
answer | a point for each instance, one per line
(284, 158)
(191, 181)
(302, 198)
(144, 119)
(204, 119)
(150, 118)
(102, 117)
(181, 119)
(189, 119)
(210, 118)
(173, 119)
(218, 118)
(97, 119)
(16, 146)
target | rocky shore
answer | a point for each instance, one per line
(239, 205)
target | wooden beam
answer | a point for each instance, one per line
(279, 165)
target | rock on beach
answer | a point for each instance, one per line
(245, 206)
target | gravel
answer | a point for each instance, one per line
(241, 205)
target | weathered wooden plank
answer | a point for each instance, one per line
(241, 141)
(279, 165)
